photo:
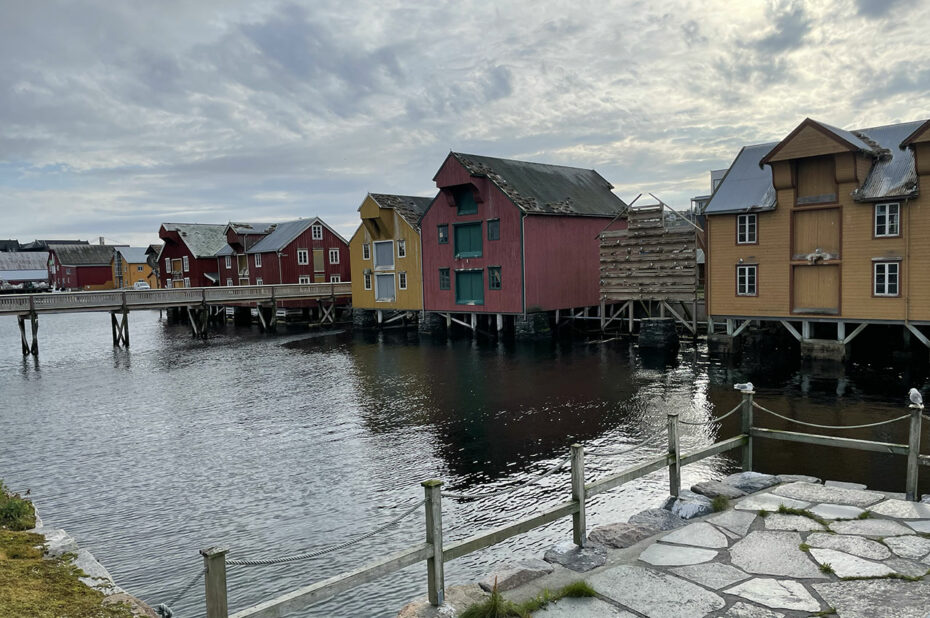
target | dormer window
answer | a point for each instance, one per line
(316, 231)
(465, 203)
(816, 180)
(887, 220)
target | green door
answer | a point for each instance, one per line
(469, 287)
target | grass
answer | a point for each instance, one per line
(864, 515)
(784, 510)
(804, 547)
(720, 503)
(830, 611)
(907, 578)
(496, 606)
(16, 513)
(763, 513)
(826, 567)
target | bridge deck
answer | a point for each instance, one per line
(116, 300)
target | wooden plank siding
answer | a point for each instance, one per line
(809, 142)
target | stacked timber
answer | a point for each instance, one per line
(650, 260)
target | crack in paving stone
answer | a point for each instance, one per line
(855, 545)
(777, 594)
(809, 492)
(738, 522)
(714, 575)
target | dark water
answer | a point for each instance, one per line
(277, 445)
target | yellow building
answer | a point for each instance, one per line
(825, 232)
(130, 264)
(385, 255)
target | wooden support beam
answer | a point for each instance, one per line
(920, 336)
(791, 329)
(686, 323)
(853, 334)
(741, 328)
(805, 330)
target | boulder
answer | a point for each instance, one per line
(457, 600)
(511, 576)
(689, 505)
(712, 489)
(621, 535)
(576, 558)
(750, 482)
(660, 519)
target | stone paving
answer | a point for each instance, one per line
(747, 562)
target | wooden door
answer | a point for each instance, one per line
(816, 289)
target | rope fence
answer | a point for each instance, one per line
(714, 420)
(598, 452)
(507, 490)
(818, 426)
(164, 609)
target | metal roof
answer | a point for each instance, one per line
(539, 188)
(282, 234)
(133, 255)
(24, 275)
(894, 173)
(84, 255)
(30, 260)
(746, 185)
(203, 239)
(409, 207)
(847, 136)
(251, 228)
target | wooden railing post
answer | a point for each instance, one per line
(674, 450)
(579, 525)
(747, 429)
(214, 563)
(436, 584)
(913, 453)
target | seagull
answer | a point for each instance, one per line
(746, 386)
(916, 398)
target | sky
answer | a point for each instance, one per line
(118, 116)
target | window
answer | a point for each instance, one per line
(816, 180)
(494, 277)
(139, 269)
(367, 281)
(401, 248)
(886, 278)
(402, 281)
(335, 279)
(334, 256)
(469, 287)
(443, 234)
(229, 282)
(258, 260)
(465, 200)
(169, 283)
(887, 220)
(187, 282)
(303, 257)
(384, 255)
(468, 240)
(228, 261)
(494, 229)
(167, 265)
(746, 280)
(316, 231)
(746, 230)
(258, 281)
(187, 263)
(444, 280)
(366, 251)
(384, 286)
(303, 279)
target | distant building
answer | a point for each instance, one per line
(130, 264)
(44, 245)
(81, 267)
(188, 257)
(7, 246)
(699, 202)
(17, 268)
(152, 253)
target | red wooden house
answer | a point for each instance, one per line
(188, 257)
(513, 237)
(81, 267)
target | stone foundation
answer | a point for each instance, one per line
(364, 318)
(823, 349)
(431, 323)
(658, 333)
(531, 326)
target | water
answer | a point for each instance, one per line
(272, 445)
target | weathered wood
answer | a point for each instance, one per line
(579, 526)
(435, 573)
(214, 563)
(913, 455)
(746, 429)
(809, 438)
(609, 482)
(674, 455)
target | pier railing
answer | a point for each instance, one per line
(435, 553)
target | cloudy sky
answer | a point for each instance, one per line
(116, 116)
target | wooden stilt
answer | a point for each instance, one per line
(35, 334)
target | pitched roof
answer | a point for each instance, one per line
(894, 174)
(203, 239)
(9, 245)
(409, 207)
(84, 255)
(285, 232)
(240, 227)
(133, 255)
(746, 185)
(539, 188)
(30, 260)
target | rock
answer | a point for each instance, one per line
(750, 482)
(58, 542)
(745, 610)
(457, 600)
(621, 535)
(581, 608)
(137, 607)
(713, 575)
(836, 511)
(773, 553)
(655, 594)
(855, 545)
(808, 492)
(659, 519)
(576, 558)
(700, 534)
(902, 509)
(712, 489)
(878, 528)
(511, 576)
(797, 478)
(844, 485)
(920, 526)
(768, 502)
(845, 565)
(924, 498)
(908, 567)
(689, 505)
(778, 594)
(737, 522)
(914, 547)
(97, 576)
(868, 599)
(658, 554)
(798, 523)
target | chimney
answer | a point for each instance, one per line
(101, 240)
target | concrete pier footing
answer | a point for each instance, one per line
(658, 333)
(823, 349)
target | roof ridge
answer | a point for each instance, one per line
(571, 167)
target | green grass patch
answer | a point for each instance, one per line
(864, 515)
(720, 503)
(496, 606)
(16, 513)
(830, 611)
(763, 513)
(826, 568)
(804, 547)
(784, 510)
(907, 578)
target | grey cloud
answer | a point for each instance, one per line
(876, 8)
(790, 26)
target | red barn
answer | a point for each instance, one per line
(81, 267)
(513, 237)
(188, 257)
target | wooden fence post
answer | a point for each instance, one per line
(747, 429)
(674, 468)
(436, 584)
(913, 454)
(214, 562)
(579, 525)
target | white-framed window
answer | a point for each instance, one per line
(401, 249)
(169, 283)
(384, 287)
(887, 220)
(366, 251)
(402, 280)
(885, 278)
(258, 260)
(139, 268)
(258, 281)
(228, 281)
(303, 279)
(187, 263)
(228, 261)
(167, 265)
(334, 256)
(384, 255)
(367, 281)
(746, 280)
(335, 279)
(746, 226)
(303, 257)
(187, 282)
(316, 231)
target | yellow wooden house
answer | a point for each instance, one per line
(825, 232)
(385, 256)
(131, 264)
